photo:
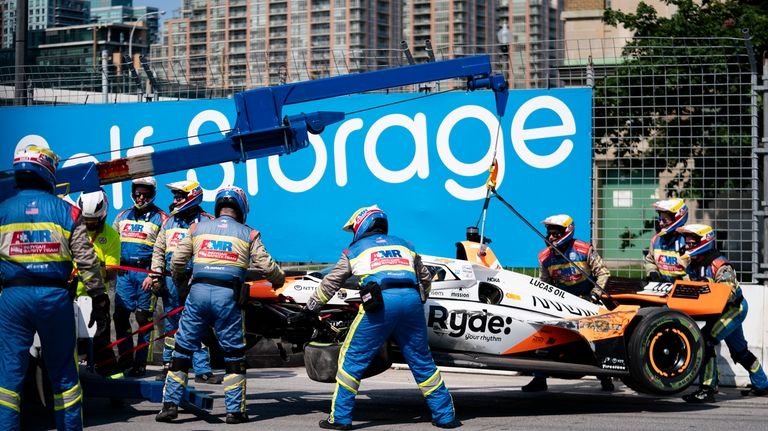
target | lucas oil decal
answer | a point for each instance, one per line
(470, 325)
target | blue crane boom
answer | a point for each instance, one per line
(262, 130)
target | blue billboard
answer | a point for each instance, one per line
(423, 160)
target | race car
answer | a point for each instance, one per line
(480, 315)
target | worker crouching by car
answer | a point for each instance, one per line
(578, 269)
(221, 250)
(391, 279)
(708, 264)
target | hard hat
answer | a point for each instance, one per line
(566, 225)
(38, 161)
(364, 220)
(93, 205)
(705, 239)
(192, 192)
(147, 182)
(679, 211)
(232, 197)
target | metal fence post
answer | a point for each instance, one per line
(104, 77)
(758, 212)
(763, 149)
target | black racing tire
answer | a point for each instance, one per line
(321, 360)
(665, 352)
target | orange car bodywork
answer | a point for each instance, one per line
(696, 299)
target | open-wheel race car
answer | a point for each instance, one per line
(482, 316)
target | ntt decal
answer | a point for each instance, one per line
(419, 160)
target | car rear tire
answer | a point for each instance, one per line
(665, 352)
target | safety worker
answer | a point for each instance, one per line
(394, 284)
(663, 262)
(564, 273)
(221, 250)
(40, 236)
(106, 244)
(708, 264)
(138, 227)
(185, 210)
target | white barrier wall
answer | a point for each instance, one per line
(756, 333)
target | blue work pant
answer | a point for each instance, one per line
(49, 312)
(130, 298)
(403, 319)
(201, 361)
(210, 306)
(728, 328)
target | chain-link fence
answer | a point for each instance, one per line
(672, 118)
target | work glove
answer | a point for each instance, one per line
(653, 277)
(598, 296)
(595, 295)
(278, 284)
(181, 280)
(100, 311)
(158, 286)
(305, 315)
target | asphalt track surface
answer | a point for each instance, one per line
(286, 399)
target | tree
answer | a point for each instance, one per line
(679, 103)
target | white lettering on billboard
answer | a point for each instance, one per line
(419, 164)
(519, 134)
(193, 131)
(470, 169)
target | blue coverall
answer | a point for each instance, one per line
(222, 251)
(172, 232)
(138, 231)
(727, 327)
(38, 241)
(390, 262)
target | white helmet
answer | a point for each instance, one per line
(147, 182)
(93, 205)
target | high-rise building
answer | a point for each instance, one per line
(535, 36)
(146, 18)
(43, 14)
(454, 27)
(241, 43)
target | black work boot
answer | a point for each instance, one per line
(704, 394)
(138, 370)
(168, 413)
(538, 384)
(448, 425)
(328, 425)
(209, 378)
(237, 418)
(606, 384)
(754, 392)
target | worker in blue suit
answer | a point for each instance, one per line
(40, 236)
(708, 264)
(394, 284)
(185, 211)
(138, 227)
(222, 250)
